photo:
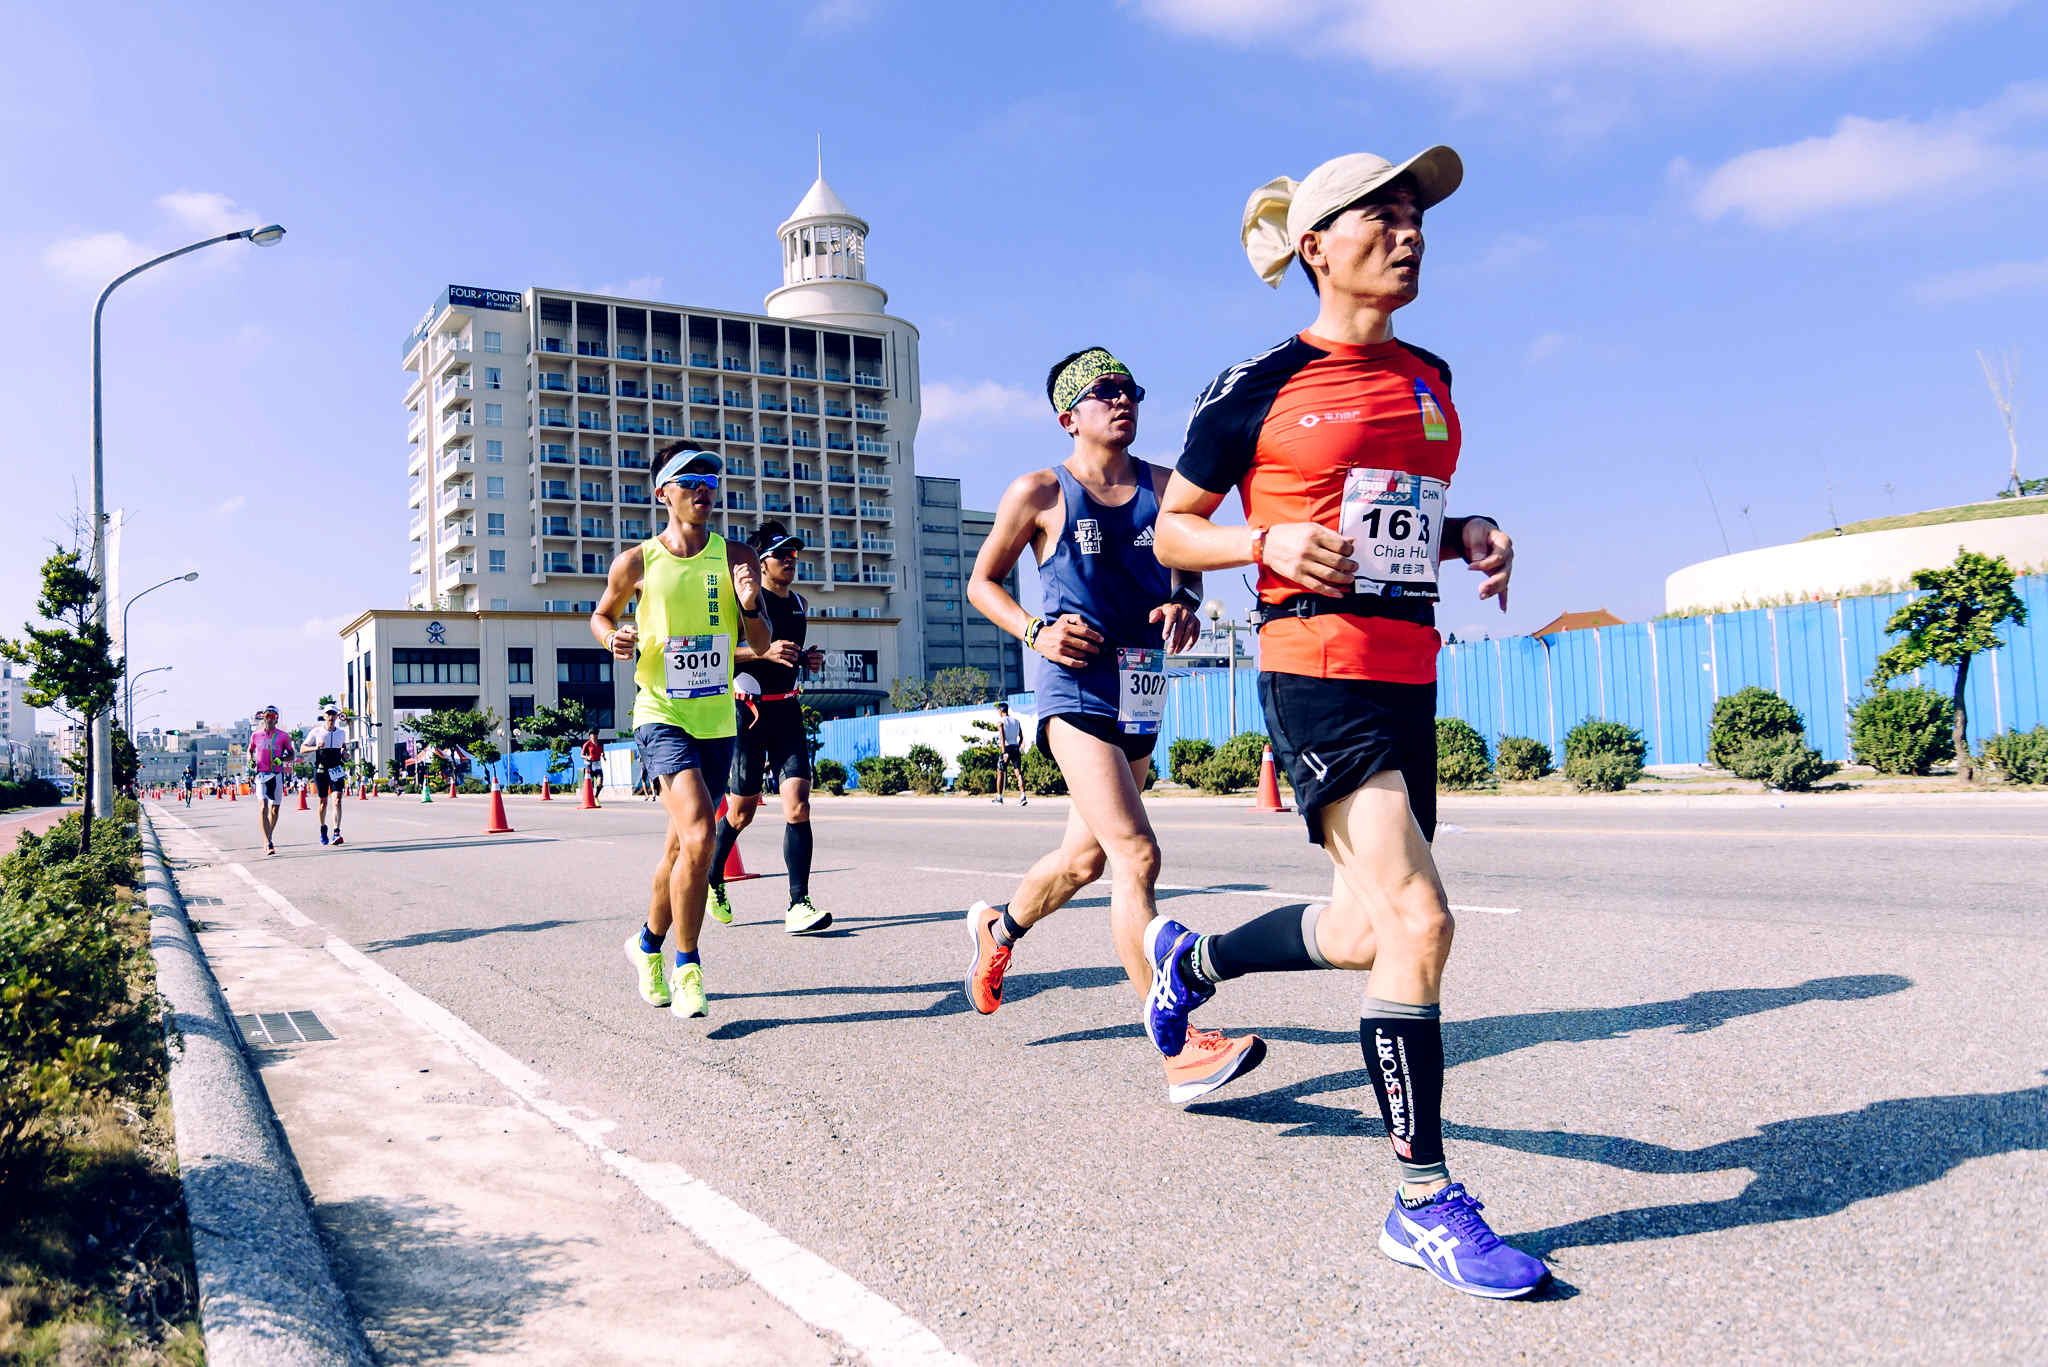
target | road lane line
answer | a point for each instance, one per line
(1686, 831)
(819, 1293)
(1215, 890)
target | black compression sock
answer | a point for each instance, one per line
(796, 857)
(1404, 1052)
(1281, 941)
(721, 850)
(1007, 932)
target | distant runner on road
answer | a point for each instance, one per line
(593, 764)
(696, 590)
(1341, 442)
(1010, 759)
(771, 738)
(327, 744)
(1110, 615)
(270, 760)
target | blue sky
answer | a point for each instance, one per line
(1754, 246)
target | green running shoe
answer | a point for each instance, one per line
(688, 985)
(718, 904)
(805, 919)
(653, 983)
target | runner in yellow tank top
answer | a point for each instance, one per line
(697, 593)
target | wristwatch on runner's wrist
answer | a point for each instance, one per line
(1187, 598)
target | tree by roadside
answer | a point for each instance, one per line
(1955, 619)
(444, 728)
(960, 686)
(72, 670)
(907, 693)
(560, 729)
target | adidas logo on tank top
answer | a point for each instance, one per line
(1143, 538)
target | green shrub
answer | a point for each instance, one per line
(32, 792)
(2022, 756)
(1226, 771)
(1602, 771)
(1245, 748)
(1595, 737)
(927, 770)
(77, 1023)
(1185, 758)
(830, 775)
(1461, 758)
(1041, 775)
(883, 775)
(1903, 730)
(1745, 716)
(1783, 761)
(1522, 758)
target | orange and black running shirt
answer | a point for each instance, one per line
(1363, 440)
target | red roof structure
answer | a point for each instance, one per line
(1577, 621)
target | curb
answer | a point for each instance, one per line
(267, 1294)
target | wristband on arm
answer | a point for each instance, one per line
(1258, 545)
(1031, 630)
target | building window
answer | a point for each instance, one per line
(494, 378)
(494, 451)
(494, 415)
(494, 341)
(497, 562)
(583, 666)
(519, 665)
(522, 705)
(494, 524)
(425, 665)
(494, 486)
(500, 604)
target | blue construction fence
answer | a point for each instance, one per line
(1661, 677)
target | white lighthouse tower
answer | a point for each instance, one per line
(825, 281)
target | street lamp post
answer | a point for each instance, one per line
(128, 724)
(1213, 610)
(184, 578)
(102, 727)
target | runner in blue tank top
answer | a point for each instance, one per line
(1110, 614)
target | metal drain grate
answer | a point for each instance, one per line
(283, 1027)
(202, 901)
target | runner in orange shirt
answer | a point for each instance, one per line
(1341, 443)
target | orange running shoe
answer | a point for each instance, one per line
(1207, 1061)
(985, 974)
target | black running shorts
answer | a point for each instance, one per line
(1104, 729)
(772, 744)
(324, 781)
(1331, 735)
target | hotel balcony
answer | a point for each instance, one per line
(803, 471)
(835, 442)
(734, 432)
(802, 371)
(455, 534)
(770, 404)
(771, 367)
(737, 398)
(774, 470)
(458, 571)
(458, 420)
(586, 384)
(633, 425)
(868, 378)
(594, 493)
(838, 474)
(558, 562)
(417, 494)
(595, 527)
(459, 497)
(455, 461)
(630, 352)
(703, 431)
(878, 545)
(661, 393)
(552, 384)
(807, 573)
(843, 574)
(555, 453)
(635, 460)
(552, 346)
(419, 554)
(453, 389)
(449, 343)
(553, 417)
(555, 489)
(418, 529)
(665, 356)
(594, 456)
(417, 428)
(877, 512)
(863, 413)
(593, 422)
(868, 446)
(702, 360)
(803, 406)
(637, 496)
(879, 578)
(698, 395)
(664, 427)
(737, 364)
(869, 481)
(841, 508)
(594, 349)
(554, 526)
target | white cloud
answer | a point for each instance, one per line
(205, 211)
(228, 507)
(841, 14)
(2006, 277)
(981, 401)
(96, 257)
(1546, 346)
(1466, 38)
(639, 287)
(1511, 250)
(1866, 163)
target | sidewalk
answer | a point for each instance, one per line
(464, 1226)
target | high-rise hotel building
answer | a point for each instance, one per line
(533, 419)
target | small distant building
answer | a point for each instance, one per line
(1577, 621)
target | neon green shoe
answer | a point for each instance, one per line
(718, 904)
(688, 986)
(653, 983)
(805, 919)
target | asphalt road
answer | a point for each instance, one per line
(1762, 1083)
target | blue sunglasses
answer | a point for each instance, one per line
(695, 481)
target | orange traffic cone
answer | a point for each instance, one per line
(545, 795)
(497, 824)
(735, 871)
(302, 799)
(589, 795)
(1269, 786)
(362, 792)
(451, 785)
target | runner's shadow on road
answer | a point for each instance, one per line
(427, 1289)
(1805, 1168)
(949, 999)
(456, 935)
(1492, 1036)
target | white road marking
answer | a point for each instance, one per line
(1264, 893)
(819, 1293)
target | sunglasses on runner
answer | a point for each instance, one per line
(1112, 388)
(695, 481)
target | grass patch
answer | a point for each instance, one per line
(1935, 517)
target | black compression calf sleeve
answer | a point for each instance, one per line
(1281, 941)
(1404, 1052)
(796, 857)
(721, 850)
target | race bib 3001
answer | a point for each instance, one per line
(1395, 523)
(697, 666)
(1140, 690)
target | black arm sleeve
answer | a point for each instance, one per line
(1217, 452)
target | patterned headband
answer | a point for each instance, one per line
(1082, 371)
